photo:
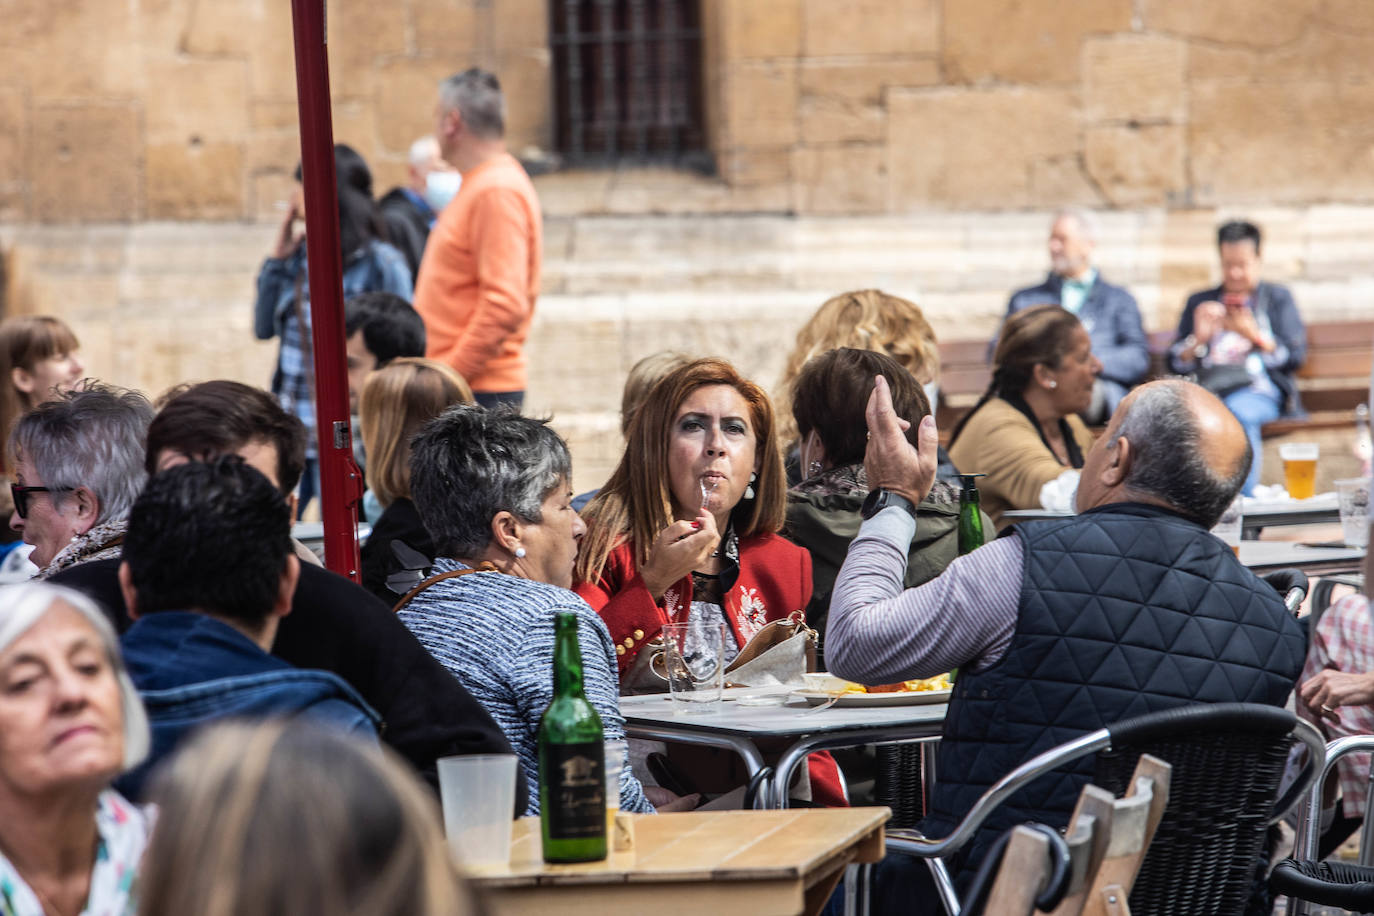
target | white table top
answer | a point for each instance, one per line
(1320, 509)
(1267, 556)
(794, 718)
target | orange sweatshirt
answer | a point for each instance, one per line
(480, 276)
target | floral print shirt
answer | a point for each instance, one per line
(123, 832)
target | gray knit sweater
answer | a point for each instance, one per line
(495, 633)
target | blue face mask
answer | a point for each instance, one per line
(440, 188)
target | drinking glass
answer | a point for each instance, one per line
(1231, 524)
(1353, 497)
(477, 792)
(1300, 468)
(694, 658)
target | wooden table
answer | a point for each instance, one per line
(699, 863)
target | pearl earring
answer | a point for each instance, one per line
(520, 553)
(1052, 383)
(813, 469)
(749, 490)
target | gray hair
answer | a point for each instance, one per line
(1087, 222)
(476, 95)
(1162, 428)
(22, 606)
(468, 464)
(92, 437)
(423, 150)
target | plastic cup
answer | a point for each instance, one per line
(1353, 497)
(1231, 524)
(1300, 468)
(694, 658)
(478, 795)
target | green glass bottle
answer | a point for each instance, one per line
(572, 760)
(970, 515)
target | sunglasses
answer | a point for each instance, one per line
(22, 497)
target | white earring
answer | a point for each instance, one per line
(749, 490)
(520, 553)
(1052, 383)
(813, 469)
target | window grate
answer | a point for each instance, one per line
(627, 81)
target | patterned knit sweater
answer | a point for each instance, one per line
(495, 633)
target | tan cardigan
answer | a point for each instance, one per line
(1001, 442)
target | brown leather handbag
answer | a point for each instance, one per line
(780, 652)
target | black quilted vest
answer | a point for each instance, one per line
(1125, 610)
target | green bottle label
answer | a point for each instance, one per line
(575, 775)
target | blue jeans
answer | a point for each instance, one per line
(494, 399)
(1253, 410)
(309, 486)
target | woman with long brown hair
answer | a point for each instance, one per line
(1025, 431)
(686, 529)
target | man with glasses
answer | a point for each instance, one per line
(79, 466)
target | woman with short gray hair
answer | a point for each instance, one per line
(494, 490)
(72, 721)
(78, 469)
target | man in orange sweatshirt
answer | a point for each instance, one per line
(479, 277)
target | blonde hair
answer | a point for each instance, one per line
(644, 375)
(866, 319)
(637, 502)
(396, 401)
(288, 819)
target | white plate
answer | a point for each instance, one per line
(896, 698)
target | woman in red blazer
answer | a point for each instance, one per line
(686, 528)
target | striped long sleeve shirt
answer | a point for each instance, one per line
(495, 633)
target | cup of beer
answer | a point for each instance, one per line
(1299, 468)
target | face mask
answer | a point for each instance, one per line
(932, 390)
(440, 188)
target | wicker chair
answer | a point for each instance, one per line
(1227, 759)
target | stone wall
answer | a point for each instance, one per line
(185, 109)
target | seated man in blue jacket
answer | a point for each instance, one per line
(208, 572)
(1109, 313)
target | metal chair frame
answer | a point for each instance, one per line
(934, 850)
(1309, 828)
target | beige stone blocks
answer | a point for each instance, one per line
(1137, 165)
(762, 104)
(844, 100)
(195, 181)
(859, 27)
(1239, 22)
(841, 179)
(1023, 41)
(1134, 78)
(975, 147)
(1284, 142)
(196, 99)
(759, 28)
(85, 162)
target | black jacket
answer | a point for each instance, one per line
(335, 625)
(400, 521)
(407, 226)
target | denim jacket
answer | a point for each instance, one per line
(191, 670)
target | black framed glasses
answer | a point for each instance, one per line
(22, 497)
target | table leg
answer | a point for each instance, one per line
(753, 759)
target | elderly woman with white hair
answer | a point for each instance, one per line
(70, 722)
(78, 468)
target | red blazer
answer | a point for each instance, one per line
(774, 580)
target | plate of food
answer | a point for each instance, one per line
(823, 688)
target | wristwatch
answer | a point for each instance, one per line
(880, 499)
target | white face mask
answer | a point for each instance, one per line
(932, 390)
(440, 188)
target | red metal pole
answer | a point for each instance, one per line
(340, 479)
